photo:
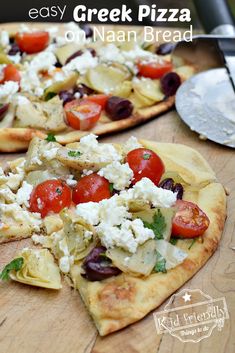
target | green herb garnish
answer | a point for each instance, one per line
(173, 241)
(50, 137)
(192, 243)
(158, 224)
(15, 264)
(146, 156)
(50, 95)
(111, 187)
(74, 153)
(160, 264)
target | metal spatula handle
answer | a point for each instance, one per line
(215, 16)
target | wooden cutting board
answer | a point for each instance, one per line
(34, 320)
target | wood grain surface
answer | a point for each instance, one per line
(34, 320)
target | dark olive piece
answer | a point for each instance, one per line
(178, 188)
(165, 48)
(73, 56)
(66, 96)
(14, 49)
(118, 108)
(97, 267)
(92, 51)
(88, 30)
(167, 184)
(170, 83)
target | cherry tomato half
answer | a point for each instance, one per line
(50, 196)
(100, 99)
(10, 73)
(145, 164)
(190, 221)
(82, 114)
(33, 42)
(91, 187)
(154, 70)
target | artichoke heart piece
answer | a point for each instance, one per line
(79, 235)
(72, 158)
(39, 269)
(171, 253)
(148, 214)
(149, 89)
(105, 79)
(47, 115)
(64, 52)
(139, 264)
(56, 87)
(4, 58)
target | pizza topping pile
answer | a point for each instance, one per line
(100, 209)
(44, 78)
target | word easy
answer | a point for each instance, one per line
(45, 12)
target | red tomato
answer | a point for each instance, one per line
(100, 99)
(50, 196)
(82, 114)
(10, 73)
(190, 221)
(145, 164)
(154, 69)
(33, 42)
(91, 187)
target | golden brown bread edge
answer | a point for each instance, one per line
(18, 139)
(120, 301)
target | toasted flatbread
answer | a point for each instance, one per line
(121, 300)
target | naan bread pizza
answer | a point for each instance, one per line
(50, 84)
(128, 224)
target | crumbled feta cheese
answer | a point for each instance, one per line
(128, 236)
(38, 239)
(7, 194)
(146, 190)
(15, 58)
(131, 144)
(88, 235)
(65, 262)
(23, 194)
(111, 52)
(43, 61)
(118, 174)
(14, 180)
(93, 151)
(112, 211)
(89, 211)
(4, 39)
(7, 90)
(70, 181)
(50, 153)
(81, 63)
(77, 95)
(87, 172)
(36, 160)
(39, 203)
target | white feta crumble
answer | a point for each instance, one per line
(87, 172)
(89, 211)
(81, 63)
(65, 262)
(40, 203)
(38, 239)
(111, 52)
(7, 194)
(7, 90)
(23, 194)
(77, 95)
(50, 152)
(70, 181)
(43, 61)
(15, 58)
(112, 211)
(36, 160)
(4, 39)
(146, 190)
(120, 175)
(131, 144)
(97, 152)
(128, 236)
